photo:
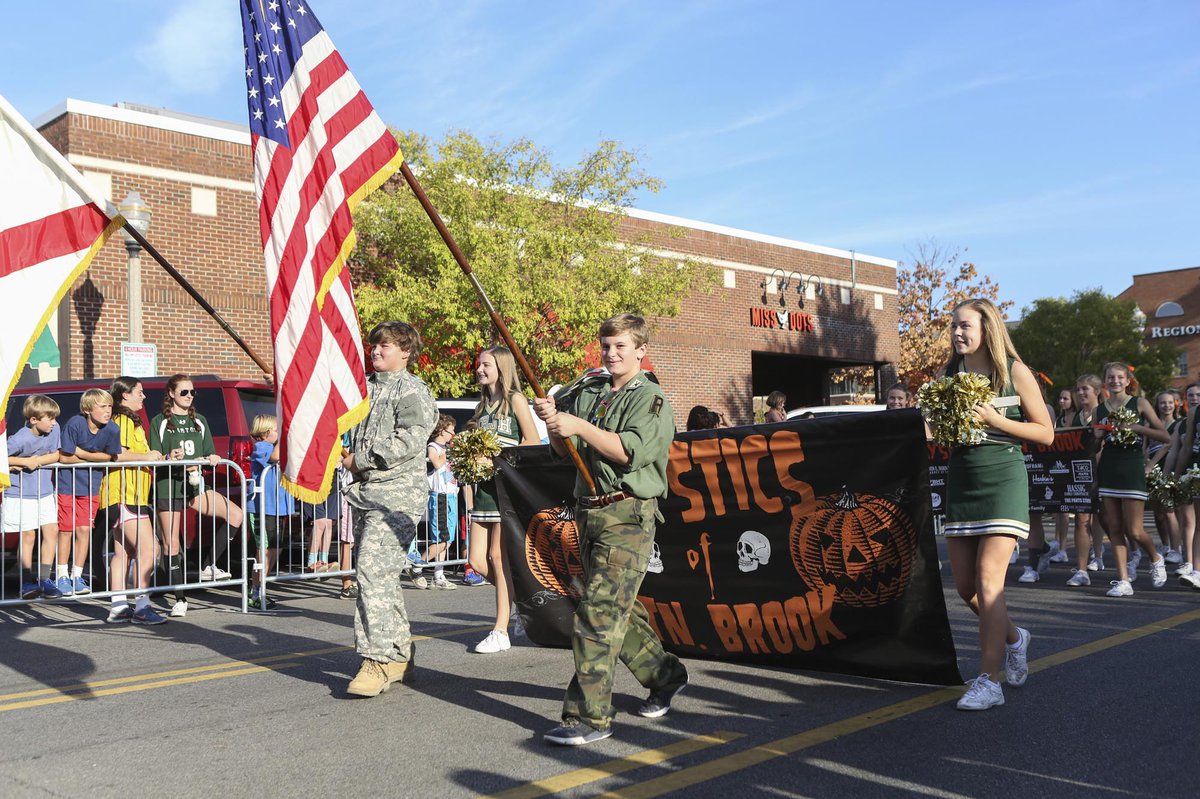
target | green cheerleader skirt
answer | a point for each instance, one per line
(1121, 473)
(987, 491)
(486, 510)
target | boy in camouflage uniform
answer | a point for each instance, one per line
(386, 458)
(623, 429)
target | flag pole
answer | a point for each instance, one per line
(199, 298)
(509, 342)
(72, 176)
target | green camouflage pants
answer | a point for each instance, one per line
(381, 630)
(610, 622)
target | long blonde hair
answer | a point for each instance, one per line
(994, 336)
(508, 381)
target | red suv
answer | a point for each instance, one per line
(229, 406)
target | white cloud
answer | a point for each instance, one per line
(196, 49)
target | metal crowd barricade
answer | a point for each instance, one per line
(312, 534)
(148, 522)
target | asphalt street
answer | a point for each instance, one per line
(225, 704)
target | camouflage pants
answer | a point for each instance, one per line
(381, 630)
(610, 622)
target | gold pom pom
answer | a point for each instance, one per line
(948, 405)
(470, 455)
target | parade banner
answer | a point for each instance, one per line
(1062, 475)
(806, 544)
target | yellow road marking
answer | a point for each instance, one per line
(164, 679)
(144, 686)
(647, 757)
(737, 761)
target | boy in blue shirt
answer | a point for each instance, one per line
(29, 503)
(90, 437)
(277, 504)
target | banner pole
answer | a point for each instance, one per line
(509, 342)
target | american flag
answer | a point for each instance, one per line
(319, 149)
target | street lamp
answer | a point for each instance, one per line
(137, 213)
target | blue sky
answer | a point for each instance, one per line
(1056, 141)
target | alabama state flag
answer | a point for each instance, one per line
(50, 227)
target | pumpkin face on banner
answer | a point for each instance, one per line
(861, 545)
(552, 551)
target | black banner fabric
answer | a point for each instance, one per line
(806, 544)
(1062, 475)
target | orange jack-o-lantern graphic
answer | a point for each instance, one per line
(862, 545)
(552, 551)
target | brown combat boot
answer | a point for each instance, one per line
(371, 680)
(374, 678)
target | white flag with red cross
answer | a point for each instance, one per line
(50, 227)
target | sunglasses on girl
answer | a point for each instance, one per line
(186, 392)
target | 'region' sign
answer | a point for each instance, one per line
(781, 319)
(805, 544)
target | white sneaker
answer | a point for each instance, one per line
(1059, 557)
(1158, 573)
(1173, 556)
(1016, 659)
(421, 581)
(982, 694)
(1043, 561)
(179, 609)
(440, 581)
(1131, 569)
(496, 641)
(1184, 569)
(1120, 588)
(1080, 577)
(1192, 580)
(1135, 557)
(1030, 575)
(214, 572)
(1096, 565)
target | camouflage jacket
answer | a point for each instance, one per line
(389, 445)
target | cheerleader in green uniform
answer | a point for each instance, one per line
(988, 496)
(1170, 410)
(1187, 454)
(1121, 475)
(504, 410)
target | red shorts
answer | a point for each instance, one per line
(76, 512)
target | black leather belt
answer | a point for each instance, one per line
(604, 500)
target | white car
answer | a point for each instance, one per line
(463, 409)
(813, 411)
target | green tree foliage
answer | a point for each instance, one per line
(928, 289)
(546, 243)
(1065, 338)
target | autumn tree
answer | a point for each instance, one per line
(937, 280)
(1065, 338)
(545, 242)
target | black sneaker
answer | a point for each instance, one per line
(659, 702)
(349, 592)
(574, 732)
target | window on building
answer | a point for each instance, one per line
(1169, 308)
(1183, 365)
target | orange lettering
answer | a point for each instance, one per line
(674, 623)
(800, 623)
(820, 603)
(787, 450)
(754, 449)
(752, 627)
(676, 463)
(707, 454)
(775, 623)
(725, 624)
(733, 462)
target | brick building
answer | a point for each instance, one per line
(1170, 301)
(783, 315)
